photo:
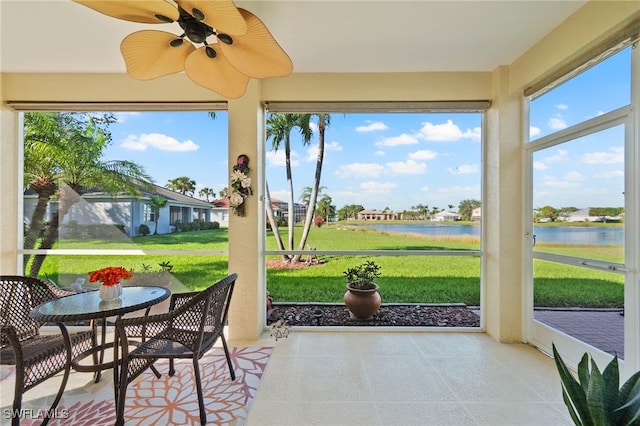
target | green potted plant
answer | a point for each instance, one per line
(148, 276)
(597, 399)
(362, 297)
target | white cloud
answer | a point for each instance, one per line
(539, 165)
(552, 182)
(574, 176)
(409, 167)
(372, 127)
(557, 123)
(379, 152)
(534, 131)
(378, 187)
(158, 141)
(278, 159)
(359, 170)
(403, 139)
(560, 156)
(447, 132)
(614, 156)
(312, 151)
(464, 169)
(423, 154)
(562, 106)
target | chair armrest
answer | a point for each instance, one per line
(10, 335)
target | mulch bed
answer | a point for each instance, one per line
(388, 315)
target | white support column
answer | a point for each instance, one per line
(502, 213)
(10, 186)
(247, 314)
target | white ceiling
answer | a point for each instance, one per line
(319, 36)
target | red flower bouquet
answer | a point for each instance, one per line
(111, 275)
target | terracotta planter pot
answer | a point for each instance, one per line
(362, 304)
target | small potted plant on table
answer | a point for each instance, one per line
(362, 297)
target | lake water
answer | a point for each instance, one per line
(566, 235)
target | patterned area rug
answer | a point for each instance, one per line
(153, 401)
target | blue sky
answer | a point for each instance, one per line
(401, 160)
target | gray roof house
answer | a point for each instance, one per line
(100, 210)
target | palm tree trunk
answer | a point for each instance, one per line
(67, 197)
(156, 217)
(291, 214)
(273, 222)
(37, 219)
(50, 237)
(316, 185)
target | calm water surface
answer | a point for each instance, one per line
(566, 235)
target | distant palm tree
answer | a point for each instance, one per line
(305, 195)
(223, 192)
(156, 203)
(207, 192)
(182, 184)
(279, 127)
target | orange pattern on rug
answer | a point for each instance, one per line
(164, 401)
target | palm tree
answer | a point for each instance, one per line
(324, 120)
(81, 169)
(207, 192)
(223, 192)
(279, 127)
(44, 136)
(305, 196)
(182, 184)
(156, 203)
(325, 208)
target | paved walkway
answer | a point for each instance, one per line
(603, 329)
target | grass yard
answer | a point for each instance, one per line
(408, 279)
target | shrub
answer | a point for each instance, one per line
(144, 230)
(318, 221)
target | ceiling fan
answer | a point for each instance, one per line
(234, 44)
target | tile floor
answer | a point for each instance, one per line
(406, 378)
(358, 377)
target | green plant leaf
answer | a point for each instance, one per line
(629, 396)
(583, 372)
(596, 397)
(572, 411)
(577, 398)
(611, 378)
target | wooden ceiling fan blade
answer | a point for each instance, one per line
(148, 54)
(216, 74)
(222, 15)
(257, 54)
(143, 11)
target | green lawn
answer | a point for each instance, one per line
(415, 279)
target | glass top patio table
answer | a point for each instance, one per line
(88, 307)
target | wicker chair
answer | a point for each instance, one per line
(36, 357)
(193, 324)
